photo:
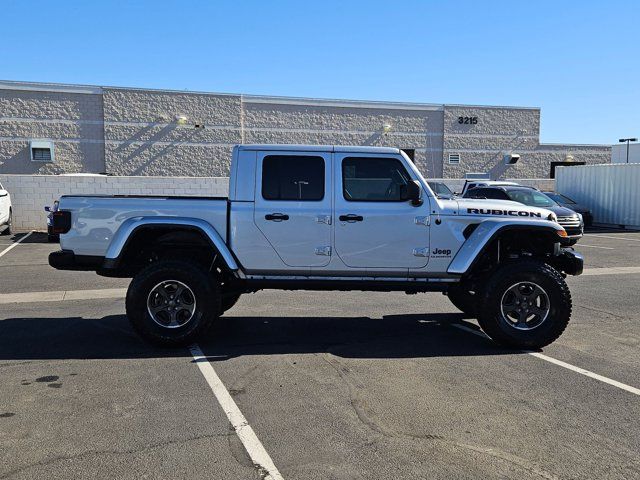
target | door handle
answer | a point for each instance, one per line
(276, 217)
(351, 218)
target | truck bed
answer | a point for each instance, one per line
(96, 218)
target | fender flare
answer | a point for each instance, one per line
(486, 231)
(130, 226)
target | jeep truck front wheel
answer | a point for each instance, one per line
(464, 299)
(173, 302)
(527, 304)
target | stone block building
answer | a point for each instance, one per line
(54, 128)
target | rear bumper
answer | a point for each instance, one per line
(569, 262)
(67, 260)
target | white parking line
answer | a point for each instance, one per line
(62, 295)
(596, 235)
(611, 271)
(6, 250)
(256, 451)
(562, 364)
(594, 246)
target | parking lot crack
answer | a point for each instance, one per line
(606, 312)
(509, 457)
(93, 453)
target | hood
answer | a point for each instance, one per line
(577, 208)
(485, 207)
(562, 211)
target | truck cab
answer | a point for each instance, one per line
(329, 211)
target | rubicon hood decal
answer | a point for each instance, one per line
(512, 213)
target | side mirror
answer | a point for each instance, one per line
(47, 209)
(411, 191)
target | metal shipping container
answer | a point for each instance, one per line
(612, 192)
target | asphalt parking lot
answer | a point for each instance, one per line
(333, 385)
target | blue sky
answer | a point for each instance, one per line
(578, 61)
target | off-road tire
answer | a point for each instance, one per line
(494, 324)
(464, 300)
(9, 224)
(228, 301)
(205, 289)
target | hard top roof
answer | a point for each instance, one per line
(320, 148)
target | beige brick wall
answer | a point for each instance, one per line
(413, 127)
(143, 137)
(134, 132)
(500, 131)
(74, 121)
(30, 193)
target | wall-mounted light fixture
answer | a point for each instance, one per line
(386, 128)
(181, 119)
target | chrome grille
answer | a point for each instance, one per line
(569, 221)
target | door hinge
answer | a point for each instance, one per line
(326, 251)
(324, 219)
(422, 220)
(421, 252)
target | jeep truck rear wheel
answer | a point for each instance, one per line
(527, 304)
(172, 302)
(228, 301)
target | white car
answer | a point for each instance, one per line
(469, 184)
(6, 212)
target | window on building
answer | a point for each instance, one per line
(411, 153)
(293, 177)
(454, 158)
(41, 150)
(367, 179)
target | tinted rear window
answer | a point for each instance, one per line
(293, 177)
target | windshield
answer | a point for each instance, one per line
(532, 198)
(440, 189)
(559, 198)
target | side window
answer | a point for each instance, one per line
(293, 177)
(494, 194)
(477, 193)
(369, 179)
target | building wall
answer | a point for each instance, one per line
(134, 132)
(498, 131)
(74, 121)
(142, 136)
(30, 193)
(619, 153)
(609, 191)
(412, 127)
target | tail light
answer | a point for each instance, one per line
(61, 221)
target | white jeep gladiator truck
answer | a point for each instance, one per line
(322, 218)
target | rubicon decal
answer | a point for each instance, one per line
(512, 213)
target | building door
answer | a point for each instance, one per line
(562, 164)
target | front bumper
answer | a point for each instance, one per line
(569, 261)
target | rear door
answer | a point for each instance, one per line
(375, 228)
(293, 205)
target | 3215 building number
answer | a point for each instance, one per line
(467, 120)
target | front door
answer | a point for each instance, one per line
(293, 205)
(375, 228)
